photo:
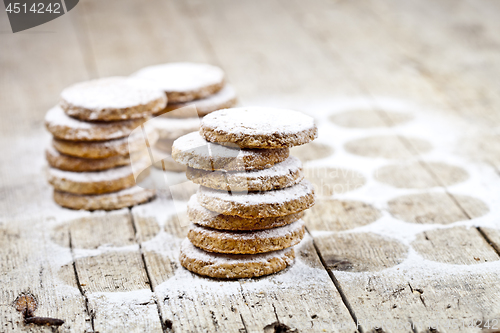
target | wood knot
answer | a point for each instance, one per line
(27, 305)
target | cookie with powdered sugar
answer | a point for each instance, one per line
(78, 164)
(113, 98)
(281, 175)
(258, 127)
(64, 127)
(233, 266)
(282, 202)
(108, 201)
(223, 99)
(206, 218)
(246, 242)
(184, 81)
(195, 152)
(94, 182)
(105, 149)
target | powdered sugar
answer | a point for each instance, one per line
(182, 76)
(195, 143)
(94, 176)
(296, 192)
(192, 252)
(112, 93)
(291, 165)
(258, 121)
(65, 127)
(275, 233)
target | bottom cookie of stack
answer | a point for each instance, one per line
(109, 201)
(233, 266)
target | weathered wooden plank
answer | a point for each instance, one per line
(31, 265)
(349, 32)
(344, 26)
(457, 35)
(265, 54)
(111, 273)
(36, 65)
(150, 34)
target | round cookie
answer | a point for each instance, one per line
(65, 127)
(108, 201)
(172, 128)
(70, 163)
(195, 152)
(184, 81)
(259, 127)
(206, 218)
(280, 175)
(92, 182)
(223, 99)
(105, 149)
(246, 242)
(233, 266)
(283, 202)
(113, 98)
(167, 162)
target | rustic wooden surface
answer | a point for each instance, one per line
(406, 234)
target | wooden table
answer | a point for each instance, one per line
(405, 234)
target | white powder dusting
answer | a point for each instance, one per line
(258, 121)
(57, 120)
(290, 165)
(302, 189)
(182, 76)
(96, 176)
(274, 233)
(194, 144)
(112, 93)
(193, 252)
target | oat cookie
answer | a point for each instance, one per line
(113, 98)
(246, 242)
(173, 128)
(233, 266)
(280, 175)
(259, 127)
(77, 164)
(108, 201)
(64, 127)
(105, 149)
(223, 99)
(92, 182)
(287, 201)
(184, 81)
(195, 152)
(206, 218)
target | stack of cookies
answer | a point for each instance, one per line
(247, 213)
(193, 91)
(96, 128)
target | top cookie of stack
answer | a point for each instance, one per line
(201, 87)
(89, 156)
(246, 214)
